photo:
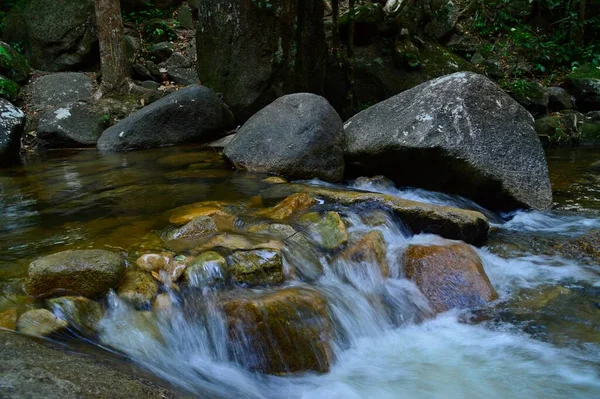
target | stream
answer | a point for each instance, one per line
(540, 339)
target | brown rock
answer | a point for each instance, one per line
(449, 276)
(8, 319)
(453, 223)
(369, 251)
(257, 267)
(328, 230)
(138, 288)
(40, 322)
(293, 204)
(288, 331)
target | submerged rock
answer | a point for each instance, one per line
(12, 123)
(298, 136)
(193, 114)
(584, 247)
(138, 288)
(41, 323)
(81, 313)
(256, 267)
(293, 204)
(281, 332)
(459, 134)
(448, 222)
(200, 227)
(328, 230)
(88, 272)
(449, 276)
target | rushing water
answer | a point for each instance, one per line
(541, 339)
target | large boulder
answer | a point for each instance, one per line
(280, 332)
(299, 136)
(12, 123)
(88, 272)
(41, 369)
(449, 276)
(460, 134)
(56, 35)
(57, 89)
(70, 125)
(192, 114)
(255, 51)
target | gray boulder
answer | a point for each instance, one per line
(459, 133)
(33, 368)
(57, 35)
(299, 136)
(256, 51)
(60, 88)
(12, 123)
(69, 125)
(193, 114)
(533, 96)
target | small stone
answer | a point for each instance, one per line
(161, 51)
(81, 313)
(275, 180)
(163, 303)
(207, 269)
(40, 322)
(366, 253)
(200, 227)
(8, 319)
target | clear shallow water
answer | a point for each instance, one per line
(540, 339)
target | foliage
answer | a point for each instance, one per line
(155, 24)
(552, 39)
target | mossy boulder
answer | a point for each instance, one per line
(256, 267)
(406, 55)
(41, 323)
(561, 128)
(449, 222)
(138, 288)
(293, 204)
(89, 273)
(207, 269)
(287, 331)
(81, 313)
(584, 84)
(58, 35)
(9, 89)
(449, 276)
(12, 64)
(327, 231)
(163, 266)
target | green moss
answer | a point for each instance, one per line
(588, 71)
(8, 88)
(591, 131)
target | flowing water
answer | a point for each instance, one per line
(540, 339)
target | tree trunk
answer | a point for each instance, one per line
(579, 34)
(113, 56)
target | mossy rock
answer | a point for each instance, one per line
(9, 89)
(257, 267)
(586, 247)
(81, 313)
(590, 132)
(12, 64)
(89, 273)
(286, 331)
(209, 269)
(561, 128)
(531, 95)
(328, 230)
(584, 84)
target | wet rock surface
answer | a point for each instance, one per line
(89, 273)
(449, 276)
